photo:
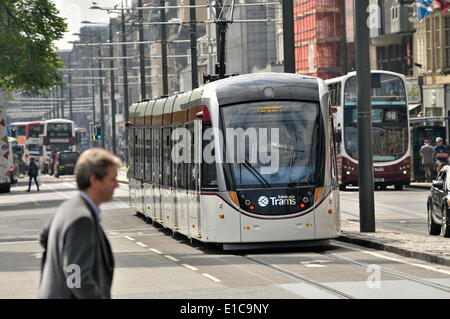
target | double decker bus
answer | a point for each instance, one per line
(390, 129)
(57, 135)
(27, 139)
(280, 187)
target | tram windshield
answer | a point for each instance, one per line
(272, 143)
(389, 118)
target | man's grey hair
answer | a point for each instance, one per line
(95, 162)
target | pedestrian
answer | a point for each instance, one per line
(440, 153)
(78, 261)
(427, 152)
(32, 173)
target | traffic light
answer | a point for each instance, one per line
(98, 133)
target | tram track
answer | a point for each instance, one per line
(307, 281)
(350, 261)
(391, 272)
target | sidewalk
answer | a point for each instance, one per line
(434, 249)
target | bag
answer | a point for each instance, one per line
(38, 180)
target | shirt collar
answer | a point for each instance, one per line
(93, 206)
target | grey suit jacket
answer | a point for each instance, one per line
(79, 261)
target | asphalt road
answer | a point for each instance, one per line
(151, 263)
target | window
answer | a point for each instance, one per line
(447, 42)
(209, 170)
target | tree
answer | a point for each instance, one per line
(28, 56)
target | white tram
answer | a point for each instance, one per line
(244, 161)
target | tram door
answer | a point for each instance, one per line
(140, 185)
(195, 130)
(148, 205)
(180, 210)
(156, 175)
(132, 164)
(167, 196)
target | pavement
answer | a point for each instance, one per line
(433, 249)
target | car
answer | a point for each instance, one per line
(438, 204)
(65, 163)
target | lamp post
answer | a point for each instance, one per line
(93, 84)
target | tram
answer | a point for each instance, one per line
(244, 161)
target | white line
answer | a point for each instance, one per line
(314, 266)
(63, 195)
(383, 256)
(155, 251)
(129, 238)
(189, 267)
(406, 262)
(432, 268)
(171, 258)
(141, 244)
(211, 277)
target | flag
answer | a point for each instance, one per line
(443, 4)
(423, 8)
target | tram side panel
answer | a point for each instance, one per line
(221, 221)
(327, 215)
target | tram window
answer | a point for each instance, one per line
(209, 170)
(192, 168)
(179, 168)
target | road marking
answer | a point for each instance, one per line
(63, 195)
(383, 256)
(432, 268)
(155, 251)
(409, 263)
(141, 244)
(189, 267)
(129, 238)
(36, 203)
(37, 255)
(171, 258)
(314, 266)
(211, 277)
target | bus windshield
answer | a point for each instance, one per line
(389, 118)
(35, 130)
(59, 129)
(274, 143)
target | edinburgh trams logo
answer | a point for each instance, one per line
(263, 201)
(280, 200)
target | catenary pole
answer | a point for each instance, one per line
(365, 158)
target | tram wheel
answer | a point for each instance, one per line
(342, 187)
(398, 187)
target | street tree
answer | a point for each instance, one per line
(28, 56)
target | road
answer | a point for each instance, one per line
(404, 211)
(151, 263)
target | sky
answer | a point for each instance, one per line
(75, 11)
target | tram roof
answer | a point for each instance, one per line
(182, 107)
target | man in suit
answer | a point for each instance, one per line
(78, 260)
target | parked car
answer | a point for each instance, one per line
(438, 204)
(65, 163)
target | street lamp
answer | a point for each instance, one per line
(93, 84)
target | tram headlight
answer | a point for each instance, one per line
(405, 172)
(348, 172)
